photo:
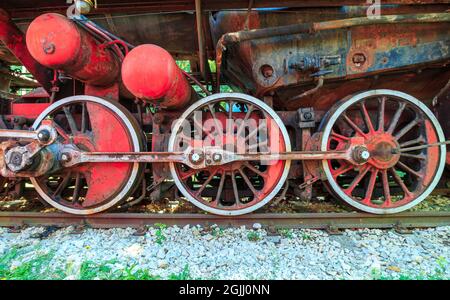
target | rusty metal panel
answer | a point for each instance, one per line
(349, 53)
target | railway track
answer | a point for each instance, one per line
(328, 221)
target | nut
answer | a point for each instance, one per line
(266, 71)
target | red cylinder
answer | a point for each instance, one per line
(57, 43)
(149, 72)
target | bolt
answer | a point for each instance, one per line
(266, 71)
(217, 157)
(43, 135)
(195, 157)
(365, 154)
(360, 154)
(307, 116)
(158, 118)
(15, 158)
(65, 157)
(49, 48)
(358, 59)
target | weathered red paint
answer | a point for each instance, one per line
(36, 94)
(150, 73)
(56, 42)
(28, 110)
(14, 40)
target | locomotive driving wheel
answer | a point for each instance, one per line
(237, 123)
(396, 176)
(91, 124)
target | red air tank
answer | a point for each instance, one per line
(149, 72)
(58, 43)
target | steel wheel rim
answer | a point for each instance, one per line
(412, 101)
(210, 99)
(130, 124)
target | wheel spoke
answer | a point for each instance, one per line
(235, 189)
(248, 182)
(371, 186)
(247, 115)
(339, 137)
(76, 188)
(61, 131)
(353, 125)
(408, 169)
(357, 179)
(421, 157)
(255, 170)
(366, 116)
(62, 185)
(253, 132)
(400, 182)
(188, 174)
(396, 117)
(342, 170)
(256, 145)
(387, 193)
(419, 140)
(200, 190)
(213, 114)
(230, 109)
(220, 188)
(199, 127)
(70, 120)
(382, 104)
(83, 118)
(407, 128)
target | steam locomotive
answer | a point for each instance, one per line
(349, 97)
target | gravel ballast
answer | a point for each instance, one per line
(234, 253)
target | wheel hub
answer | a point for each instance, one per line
(382, 149)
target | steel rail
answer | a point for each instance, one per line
(268, 220)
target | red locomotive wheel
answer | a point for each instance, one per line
(91, 124)
(393, 179)
(239, 187)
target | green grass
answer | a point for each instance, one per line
(253, 236)
(218, 232)
(39, 268)
(286, 233)
(36, 268)
(306, 237)
(438, 274)
(160, 237)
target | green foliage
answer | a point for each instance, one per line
(212, 65)
(91, 270)
(184, 65)
(253, 236)
(217, 232)
(306, 236)
(287, 233)
(39, 268)
(184, 275)
(438, 274)
(160, 237)
(36, 268)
